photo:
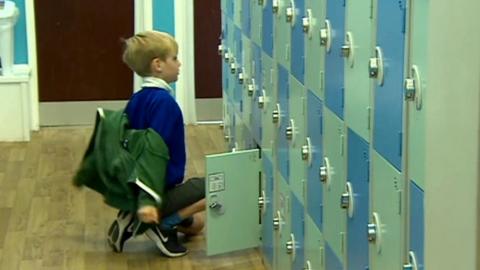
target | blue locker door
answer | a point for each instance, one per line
(283, 98)
(334, 63)
(256, 111)
(298, 230)
(315, 133)
(358, 175)
(246, 26)
(238, 52)
(298, 43)
(267, 224)
(267, 35)
(230, 9)
(417, 223)
(332, 262)
(387, 135)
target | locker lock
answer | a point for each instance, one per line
(347, 50)
(261, 100)
(325, 171)
(412, 264)
(241, 76)
(251, 87)
(306, 23)
(373, 231)
(290, 131)
(276, 115)
(291, 246)
(233, 67)
(277, 221)
(308, 266)
(325, 36)
(227, 56)
(375, 66)
(307, 151)
(290, 13)
(227, 138)
(346, 199)
(413, 87)
(221, 49)
(262, 202)
(275, 6)
(215, 205)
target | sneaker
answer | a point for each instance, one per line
(119, 231)
(166, 241)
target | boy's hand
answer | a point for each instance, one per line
(148, 214)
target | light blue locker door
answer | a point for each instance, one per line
(314, 246)
(247, 70)
(257, 75)
(232, 200)
(267, 212)
(283, 101)
(417, 224)
(238, 55)
(283, 261)
(315, 133)
(267, 28)
(332, 262)
(314, 52)
(257, 18)
(334, 63)
(233, 128)
(358, 198)
(270, 101)
(246, 19)
(229, 7)
(282, 36)
(387, 134)
(298, 231)
(237, 12)
(298, 42)
(334, 219)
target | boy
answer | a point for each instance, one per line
(153, 56)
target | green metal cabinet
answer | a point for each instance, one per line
(232, 186)
(314, 52)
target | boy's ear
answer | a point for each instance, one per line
(157, 64)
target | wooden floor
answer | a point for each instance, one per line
(46, 223)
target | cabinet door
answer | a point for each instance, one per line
(232, 201)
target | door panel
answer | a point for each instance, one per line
(232, 178)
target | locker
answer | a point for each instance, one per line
(269, 104)
(358, 42)
(296, 15)
(235, 63)
(227, 220)
(257, 88)
(283, 149)
(334, 219)
(387, 217)
(298, 232)
(314, 246)
(283, 33)
(332, 261)
(267, 28)
(417, 226)
(282, 226)
(256, 8)
(237, 13)
(246, 19)
(296, 127)
(387, 133)
(314, 202)
(267, 201)
(356, 201)
(334, 66)
(247, 69)
(314, 52)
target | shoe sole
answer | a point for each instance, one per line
(159, 244)
(116, 230)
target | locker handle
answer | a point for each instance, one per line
(412, 264)
(290, 13)
(375, 66)
(373, 233)
(307, 24)
(325, 36)
(413, 87)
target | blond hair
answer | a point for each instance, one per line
(142, 48)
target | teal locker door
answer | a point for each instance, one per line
(267, 28)
(298, 232)
(314, 246)
(232, 200)
(297, 126)
(257, 20)
(282, 36)
(314, 52)
(282, 226)
(235, 63)
(237, 13)
(246, 20)
(387, 219)
(358, 44)
(257, 88)
(295, 16)
(266, 200)
(417, 226)
(334, 220)
(283, 148)
(417, 73)
(246, 69)
(269, 104)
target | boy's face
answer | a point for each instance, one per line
(170, 68)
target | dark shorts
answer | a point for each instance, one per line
(183, 195)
